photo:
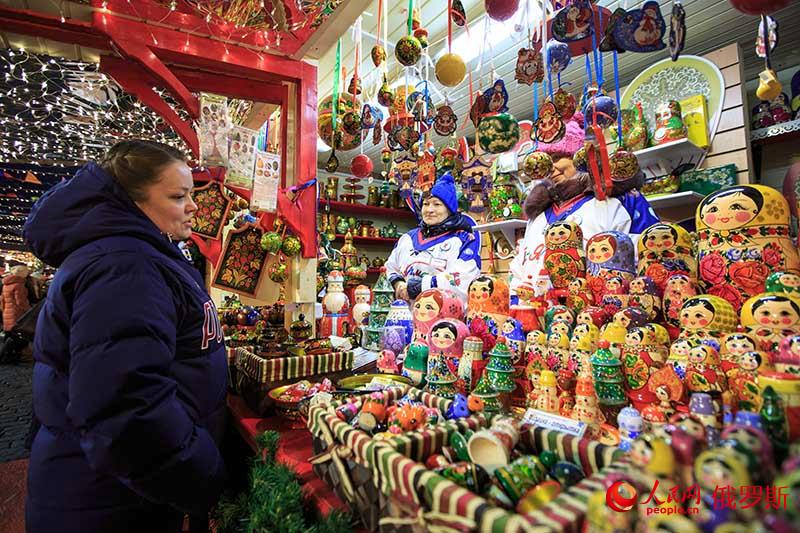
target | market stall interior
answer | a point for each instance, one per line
(543, 264)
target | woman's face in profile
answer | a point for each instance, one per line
(434, 211)
(169, 201)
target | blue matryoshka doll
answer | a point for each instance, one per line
(515, 339)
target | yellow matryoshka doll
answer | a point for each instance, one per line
(769, 317)
(564, 258)
(535, 355)
(666, 249)
(707, 316)
(743, 236)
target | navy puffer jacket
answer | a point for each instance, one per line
(130, 374)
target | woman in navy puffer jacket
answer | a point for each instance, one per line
(130, 375)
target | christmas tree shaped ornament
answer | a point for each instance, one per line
(773, 418)
(441, 381)
(500, 371)
(608, 376)
(383, 295)
(415, 366)
(487, 395)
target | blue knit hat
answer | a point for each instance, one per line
(445, 190)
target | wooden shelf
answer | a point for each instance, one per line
(370, 240)
(662, 159)
(785, 131)
(507, 227)
(363, 209)
(677, 206)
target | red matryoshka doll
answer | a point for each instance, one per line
(578, 295)
(488, 298)
(707, 316)
(608, 253)
(665, 249)
(637, 363)
(679, 354)
(432, 305)
(703, 372)
(615, 296)
(667, 388)
(769, 317)
(743, 236)
(743, 379)
(564, 258)
(644, 294)
(446, 341)
(678, 289)
(593, 315)
(732, 346)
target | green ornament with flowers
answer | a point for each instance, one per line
(291, 246)
(608, 376)
(271, 242)
(498, 133)
(500, 370)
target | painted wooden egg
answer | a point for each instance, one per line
(580, 160)
(624, 165)
(759, 7)
(450, 70)
(498, 133)
(408, 50)
(538, 165)
(501, 9)
(558, 56)
(378, 54)
(565, 103)
(385, 95)
(345, 141)
(361, 166)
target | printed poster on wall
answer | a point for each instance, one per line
(242, 157)
(267, 181)
(212, 131)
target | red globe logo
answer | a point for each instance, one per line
(621, 496)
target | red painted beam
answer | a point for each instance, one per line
(135, 79)
(231, 86)
(71, 31)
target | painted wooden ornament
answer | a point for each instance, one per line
(564, 258)
(759, 7)
(355, 86)
(446, 121)
(608, 44)
(332, 164)
(371, 117)
(385, 95)
(378, 54)
(488, 299)
(669, 123)
(530, 66)
(574, 22)
(558, 56)
(707, 316)
(610, 252)
(458, 14)
(351, 123)
(344, 141)
(501, 9)
(678, 288)
(361, 166)
(496, 98)
(538, 165)
(770, 317)
(549, 127)
(498, 133)
(644, 294)
(642, 30)
(677, 30)
(601, 109)
(783, 282)
(743, 235)
(408, 50)
(580, 160)
(624, 165)
(666, 249)
(565, 103)
(450, 69)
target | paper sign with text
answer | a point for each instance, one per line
(546, 420)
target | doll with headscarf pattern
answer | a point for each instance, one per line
(707, 316)
(645, 294)
(446, 341)
(488, 298)
(608, 254)
(432, 305)
(743, 236)
(732, 346)
(679, 288)
(638, 362)
(666, 249)
(564, 258)
(769, 317)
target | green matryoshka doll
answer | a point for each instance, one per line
(743, 236)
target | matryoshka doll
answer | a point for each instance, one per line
(557, 350)
(615, 295)
(756, 441)
(336, 307)
(488, 298)
(583, 344)
(564, 258)
(446, 341)
(363, 297)
(679, 354)
(630, 317)
(432, 305)
(578, 295)
(535, 352)
(707, 316)
(678, 289)
(655, 466)
(783, 282)
(644, 294)
(608, 253)
(637, 364)
(667, 388)
(743, 380)
(769, 317)
(743, 235)
(593, 315)
(788, 359)
(703, 371)
(665, 249)
(515, 339)
(400, 315)
(558, 312)
(719, 467)
(586, 408)
(732, 346)
(661, 348)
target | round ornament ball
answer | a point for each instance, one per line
(361, 166)
(291, 246)
(450, 70)
(501, 9)
(498, 133)
(624, 165)
(271, 242)
(759, 7)
(408, 50)
(580, 160)
(277, 272)
(558, 56)
(604, 107)
(538, 165)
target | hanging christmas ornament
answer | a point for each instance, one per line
(549, 127)
(677, 30)
(457, 14)
(641, 30)
(378, 54)
(419, 32)
(408, 50)
(355, 86)
(361, 166)
(601, 109)
(759, 7)
(446, 120)
(420, 105)
(538, 165)
(498, 133)
(351, 123)
(574, 22)
(450, 70)
(558, 56)
(377, 133)
(580, 160)
(344, 141)
(477, 110)
(371, 116)
(385, 94)
(386, 157)
(271, 241)
(772, 33)
(624, 165)
(501, 9)
(278, 272)
(608, 44)
(496, 98)
(530, 66)
(291, 246)
(332, 165)
(565, 103)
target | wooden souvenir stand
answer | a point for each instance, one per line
(148, 44)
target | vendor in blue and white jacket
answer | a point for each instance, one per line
(443, 252)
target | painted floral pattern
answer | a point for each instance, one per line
(243, 261)
(212, 210)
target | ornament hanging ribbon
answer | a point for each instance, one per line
(335, 111)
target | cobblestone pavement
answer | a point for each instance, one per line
(15, 410)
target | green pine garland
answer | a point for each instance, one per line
(274, 502)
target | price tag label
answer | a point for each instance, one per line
(546, 420)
